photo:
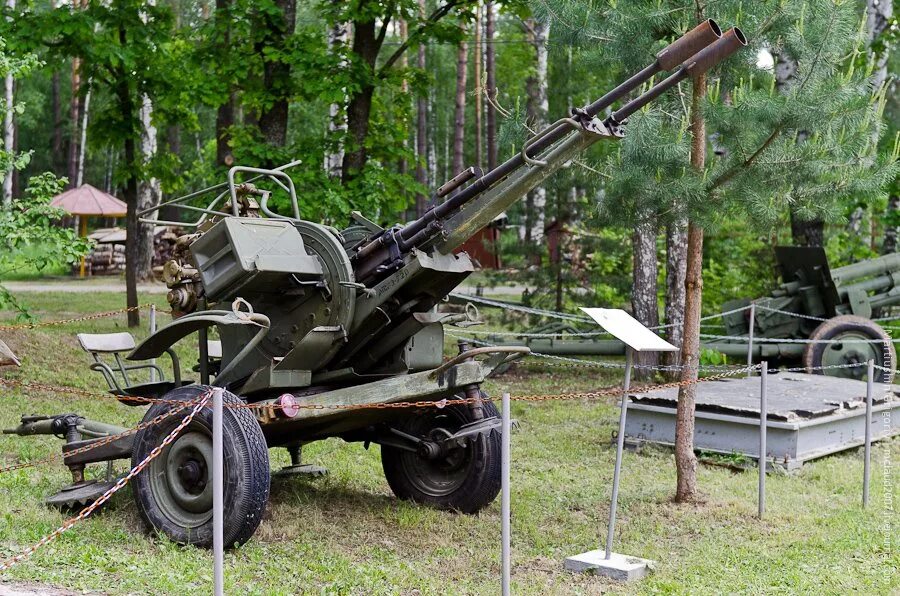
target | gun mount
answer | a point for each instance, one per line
(308, 314)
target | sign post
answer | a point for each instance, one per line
(636, 338)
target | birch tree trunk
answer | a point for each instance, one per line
(878, 18)
(685, 460)
(536, 108)
(459, 112)
(338, 36)
(676, 265)
(9, 128)
(148, 192)
(804, 232)
(644, 302)
(82, 143)
(490, 67)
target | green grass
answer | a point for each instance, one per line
(346, 533)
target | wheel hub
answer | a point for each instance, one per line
(182, 479)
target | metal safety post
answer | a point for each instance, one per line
(870, 388)
(153, 378)
(763, 417)
(620, 447)
(218, 496)
(505, 429)
(750, 340)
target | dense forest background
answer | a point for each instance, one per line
(383, 101)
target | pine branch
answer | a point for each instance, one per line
(727, 176)
(821, 48)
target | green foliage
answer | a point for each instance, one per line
(709, 357)
(30, 237)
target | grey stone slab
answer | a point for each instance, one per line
(619, 567)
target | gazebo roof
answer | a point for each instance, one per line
(88, 200)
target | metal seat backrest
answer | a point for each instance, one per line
(106, 343)
(114, 344)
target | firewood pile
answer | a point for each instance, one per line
(107, 257)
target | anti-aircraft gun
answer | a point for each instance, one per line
(309, 315)
(831, 308)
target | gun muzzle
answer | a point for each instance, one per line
(716, 52)
(689, 44)
(711, 55)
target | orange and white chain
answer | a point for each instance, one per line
(8, 563)
(91, 317)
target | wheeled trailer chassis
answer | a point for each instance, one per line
(442, 455)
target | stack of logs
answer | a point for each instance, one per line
(107, 257)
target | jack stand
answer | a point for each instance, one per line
(297, 467)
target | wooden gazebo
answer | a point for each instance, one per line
(88, 201)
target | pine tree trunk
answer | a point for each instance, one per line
(891, 232)
(644, 302)
(685, 460)
(676, 265)
(490, 67)
(459, 111)
(225, 116)
(403, 165)
(422, 158)
(478, 103)
(536, 109)
(366, 45)
(57, 139)
(72, 160)
(132, 225)
(338, 36)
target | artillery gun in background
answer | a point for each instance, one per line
(309, 315)
(832, 309)
(816, 318)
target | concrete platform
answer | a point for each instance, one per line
(618, 567)
(809, 416)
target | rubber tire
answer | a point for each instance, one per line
(480, 487)
(812, 354)
(246, 471)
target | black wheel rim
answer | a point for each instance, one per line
(181, 478)
(446, 474)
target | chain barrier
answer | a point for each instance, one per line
(86, 512)
(38, 386)
(780, 340)
(90, 317)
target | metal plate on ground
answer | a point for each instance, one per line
(809, 416)
(78, 496)
(792, 397)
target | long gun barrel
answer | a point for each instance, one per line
(696, 52)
